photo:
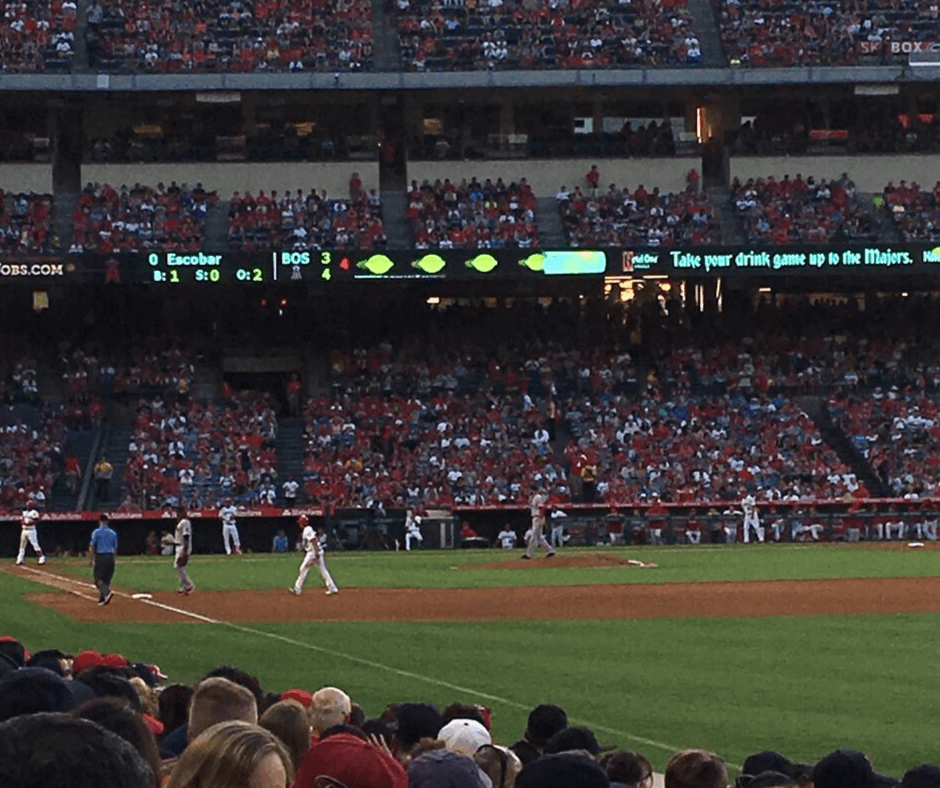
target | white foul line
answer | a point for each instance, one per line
(53, 578)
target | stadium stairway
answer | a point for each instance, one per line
(63, 208)
(397, 231)
(217, 228)
(706, 28)
(115, 449)
(883, 224)
(731, 232)
(551, 232)
(79, 443)
(842, 444)
(290, 451)
(387, 54)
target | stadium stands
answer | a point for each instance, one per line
(26, 223)
(37, 36)
(916, 211)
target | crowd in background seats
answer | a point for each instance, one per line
(137, 218)
(138, 371)
(228, 35)
(619, 217)
(916, 211)
(448, 215)
(26, 223)
(507, 34)
(303, 221)
(193, 453)
(794, 210)
(37, 36)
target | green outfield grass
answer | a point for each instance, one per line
(801, 685)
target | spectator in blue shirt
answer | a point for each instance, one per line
(103, 547)
(280, 543)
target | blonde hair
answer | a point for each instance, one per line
(219, 700)
(288, 720)
(696, 769)
(226, 755)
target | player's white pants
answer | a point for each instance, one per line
(753, 521)
(815, 531)
(185, 583)
(537, 540)
(656, 536)
(409, 535)
(230, 536)
(693, 537)
(731, 533)
(310, 560)
(28, 535)
(558, 536)
(927, 529)
(779, 527)
(897, 526)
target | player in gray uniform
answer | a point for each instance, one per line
(28, 521)
(183, 540)
(313, 546)
(537, 504)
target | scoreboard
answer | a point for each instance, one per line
(323, 267)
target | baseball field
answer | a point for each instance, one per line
(797, 648)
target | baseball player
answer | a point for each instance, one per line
(558, 528)
(507, 538)
(751, 520)
(537, 504)
(313, 544)
(183, 541)
(230, 527)
(412, 529)
(28, 523)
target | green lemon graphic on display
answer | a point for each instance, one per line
(533, 262)
(430, 263)
(484, 263)
(378, 264)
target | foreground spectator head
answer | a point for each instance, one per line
(219, 700)
(696, 769)
(577, 738)
(416, 721)
(328, 707)
(350, 761)
(628, 768)
(234, 754)
(117, 716)
(12, 648)
(45, 750)
(464, 736)
(766, 761)
(924, 776)
(544, 722)
(563, 771)
(445, 769)
(289, 721)
(500, 764)
(463, 711)
(34, 690)
(174, 705)
(240, 677)
(848, 769)
(51, 659)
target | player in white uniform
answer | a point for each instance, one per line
(507, 538)
(412, 529)
(183, 541)
(28, 523)
(230, 527)
(558, 528)
(313, 546)
(751, 520)
(537, 504)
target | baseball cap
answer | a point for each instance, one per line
(924, 776)
(446, 769)
(417, 721)
(563, 770)
(464, 736)
(353, 762)
(85, 660)
(546, 720)
(766, 761)
(848, 769)
(577, 738)
(303, 697)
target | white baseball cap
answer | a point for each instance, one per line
(464, 736)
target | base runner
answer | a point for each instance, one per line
(313, 546)
(183, 540)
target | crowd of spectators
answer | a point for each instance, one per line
(192, 453)
(26, 224)
(468, 215)
(508, 34)
(791, 211)
(618, 217)
(37, 35)
(143, 731)
(777, 33)
(228, 35)
(916, 211)
(138, 218)
(303, 221)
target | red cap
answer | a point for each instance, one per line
(353, 762)
(85, 660)
(300, 695)
(156, 727)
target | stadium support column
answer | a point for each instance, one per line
(507, 122)
(66, 128)
(716, 115)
